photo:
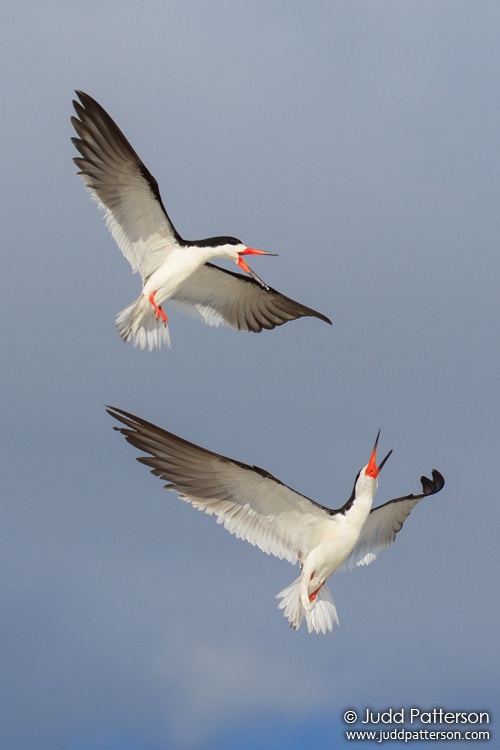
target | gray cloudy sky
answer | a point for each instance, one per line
(359, 141)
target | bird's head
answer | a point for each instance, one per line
(235, 250)
(369, 475)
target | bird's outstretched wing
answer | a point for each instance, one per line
(384, 522)
(219, 296)
(250, 503)
(123, 187)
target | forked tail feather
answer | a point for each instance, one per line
(137, 323)
(322, 615)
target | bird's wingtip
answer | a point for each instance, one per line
(434, 485)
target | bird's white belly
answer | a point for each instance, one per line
(177, 267)
(339, 539)
(328, 557)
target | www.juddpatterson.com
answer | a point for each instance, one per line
(417, 719)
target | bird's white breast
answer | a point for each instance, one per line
(337, 536)
(177, 267)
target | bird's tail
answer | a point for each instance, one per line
(137, 323)
(321, 616)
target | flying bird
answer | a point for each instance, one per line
(254, 505)
(171, 267)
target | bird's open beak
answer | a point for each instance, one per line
(372, 470)
(245, 267)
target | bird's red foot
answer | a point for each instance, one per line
(159, 311)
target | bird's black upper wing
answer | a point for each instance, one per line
(220, 296)
(250, 502)
(123, 187)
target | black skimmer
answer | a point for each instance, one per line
(254, 505)
(171, 268)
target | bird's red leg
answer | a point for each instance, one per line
(158, 310)
(314, 594)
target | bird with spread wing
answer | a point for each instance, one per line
(254, 505)
(172, 269)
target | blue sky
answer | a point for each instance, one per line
(360, 142)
